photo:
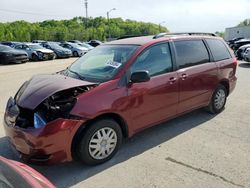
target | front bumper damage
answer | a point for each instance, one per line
(48, 145)
(38, 122)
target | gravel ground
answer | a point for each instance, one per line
(195, 150)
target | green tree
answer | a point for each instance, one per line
(78, 28)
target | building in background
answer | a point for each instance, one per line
(236, 32)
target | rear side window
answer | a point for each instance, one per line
(191, 52)
(218, 49)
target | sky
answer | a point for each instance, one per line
(176, 15)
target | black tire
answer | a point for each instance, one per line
(56, 56)
(34, 57)
(75, 54)
(213, 106)
(83, 149)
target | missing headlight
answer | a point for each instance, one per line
(60, 104)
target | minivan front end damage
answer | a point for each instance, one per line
(43, 133)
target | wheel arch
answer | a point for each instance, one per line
(116, 117)
(225, 83)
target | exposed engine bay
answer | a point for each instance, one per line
(56, 106)
(60, 104)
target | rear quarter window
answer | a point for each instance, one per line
(219, 50)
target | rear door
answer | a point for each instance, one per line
(197, 74)
(224, 61)
(157, 99)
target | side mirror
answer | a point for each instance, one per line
(140, 76)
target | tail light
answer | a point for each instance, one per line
(235, 61)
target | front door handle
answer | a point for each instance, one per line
(172, 80)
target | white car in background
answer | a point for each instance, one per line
(246, 55)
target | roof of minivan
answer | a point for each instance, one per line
(146, 39)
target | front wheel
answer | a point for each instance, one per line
(100, 142)
(218, 100)
(35, 57)
(75, 54)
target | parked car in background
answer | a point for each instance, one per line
(246, 55)
(94, 43)
(231, 42)
(58, 50)
(36, 52)
(83, 44)
(115, 91)
(76, 49)
(240, 43)
(9, 55)
(38, 41)
(14, 174)
(10, 44)
(240, 52)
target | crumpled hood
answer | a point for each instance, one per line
(41, 87)
(44, 50)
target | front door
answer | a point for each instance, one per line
(157, 99)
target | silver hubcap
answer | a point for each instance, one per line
(102, 143)
(220, 98)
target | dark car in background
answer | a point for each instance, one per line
(14, 174)
(94, 43)
(36, 52)
(240, 43)
(58, 50)
(9, 55)
(231, 42)
(76, 49)
(10, 44)
(115, 91)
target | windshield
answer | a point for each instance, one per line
(55, 45)
(74, 45)
(103, 62)
(35, 47)
(3, 48)
(86, 45)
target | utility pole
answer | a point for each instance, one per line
(86, 13)
(86, 17)
(109, 21)
(86, 8)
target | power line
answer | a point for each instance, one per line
(28, 13)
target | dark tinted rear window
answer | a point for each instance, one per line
(191, 52)
(218, 49)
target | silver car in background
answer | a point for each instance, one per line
(246, 55)
(76, 49)
(83, 44)
(36, 52)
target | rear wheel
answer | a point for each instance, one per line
(218, 100)
(100, 142)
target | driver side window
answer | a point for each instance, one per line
(156, 60)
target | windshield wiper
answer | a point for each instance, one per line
(77, 74)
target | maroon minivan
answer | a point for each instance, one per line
(115, 91)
